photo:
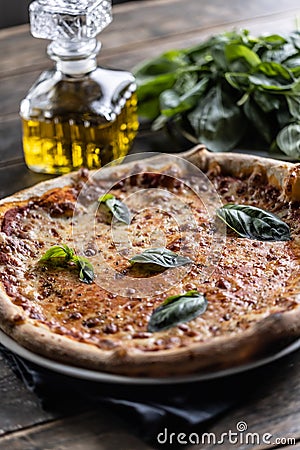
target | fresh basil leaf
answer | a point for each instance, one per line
(293, 64)
(161, 257)
(106, 197)
(293, 101)
(219, 57)
(148, 91)
(257, 117)
(266, 101)
(217, 120)
(118, 209)
(235, 51)
(171, 103)
(164, 64)
(288, 140)
(64, 254)
(254, 223)
(280, 54)
(295, 39)
(295, 90)
(58, 251)
(272, 76)
(274, 40)
(153, 77)
(296, 71)
(173, 298)
(154, 85)
(86, 270)
(177, 309)
(238, 80)
(201, 53)
(233, 66)
(283, 116)
(149, 108)
(272, 70)
(196, 92)
(187, 80)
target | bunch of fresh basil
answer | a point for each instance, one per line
(227, 89)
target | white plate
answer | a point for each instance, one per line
(93, 375)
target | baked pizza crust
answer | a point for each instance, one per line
(264, 337)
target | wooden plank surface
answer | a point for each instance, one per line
(273, 407)
(269, 408)
(19, 408)
(136, 23)
(95, 430)
(15, 86)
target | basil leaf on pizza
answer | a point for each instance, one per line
(86, 270)
(254, 223)
(62, 254)
(160, 257)
(177, 309)
(58, 251)
(118, 209)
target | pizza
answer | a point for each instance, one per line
(159, 267)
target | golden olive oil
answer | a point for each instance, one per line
(71, 122)
(78, 113)
(58, 145)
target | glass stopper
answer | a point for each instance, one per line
(69, 20)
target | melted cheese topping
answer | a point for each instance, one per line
(248, 281)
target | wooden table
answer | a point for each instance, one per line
(139, 30)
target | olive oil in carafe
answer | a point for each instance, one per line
(76, 114)
(59, 145)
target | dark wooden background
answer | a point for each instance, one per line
(15, 12)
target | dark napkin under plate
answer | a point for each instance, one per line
(148, 409)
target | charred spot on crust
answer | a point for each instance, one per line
(59, 202)
(12, 220)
